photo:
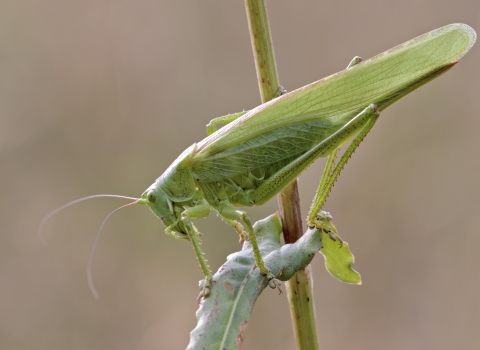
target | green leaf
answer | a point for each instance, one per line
(338, 258)
(222, 318)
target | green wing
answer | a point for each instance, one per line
(280, 130)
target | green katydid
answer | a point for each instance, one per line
(261, 151)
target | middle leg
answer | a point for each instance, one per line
(230, 213)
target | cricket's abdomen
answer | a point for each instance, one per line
(240, 190)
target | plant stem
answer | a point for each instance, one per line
(299, 287)
(262, 46)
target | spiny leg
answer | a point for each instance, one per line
(287, 174)
(331, 158)
(327, 171)
(230, 213)
(326, 185)
(236, 225)
(201, 210)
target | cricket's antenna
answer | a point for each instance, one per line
(89, 266)
(52, 213)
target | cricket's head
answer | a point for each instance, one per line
(159, 203)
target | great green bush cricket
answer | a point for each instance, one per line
(261, 151)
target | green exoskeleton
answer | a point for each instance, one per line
(261, 151)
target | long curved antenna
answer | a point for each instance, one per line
(89, 265)
(52, 213)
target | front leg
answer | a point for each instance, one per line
(200, 210)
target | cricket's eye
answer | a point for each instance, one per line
(151, 196)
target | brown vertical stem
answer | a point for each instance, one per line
(299, 288)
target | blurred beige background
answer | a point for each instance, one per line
(101, 96)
